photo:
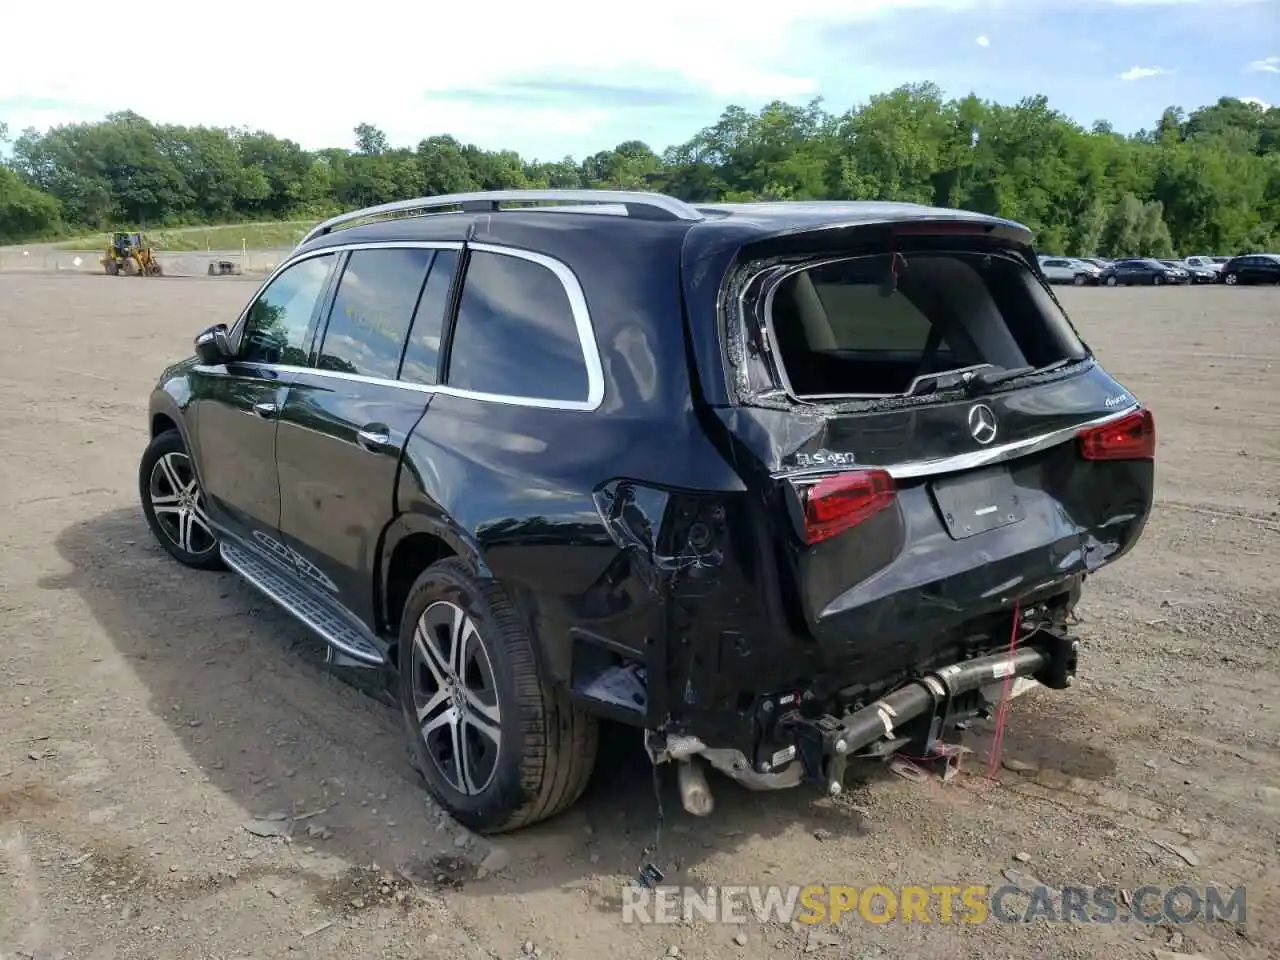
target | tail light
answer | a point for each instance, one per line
(837, 503)
(1129, 438)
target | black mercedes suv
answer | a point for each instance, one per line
(778, 484)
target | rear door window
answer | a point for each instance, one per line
(372, 311)
(858, 328)
(516, 334)
(422, 352)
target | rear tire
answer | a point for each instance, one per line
(468, 665)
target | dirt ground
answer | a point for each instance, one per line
(148, 713)
(51, 258)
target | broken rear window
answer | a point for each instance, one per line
(874, 326)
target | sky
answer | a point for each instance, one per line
(571, 77)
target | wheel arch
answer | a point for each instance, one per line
(167, 409)
(410, 544)
(161, 422)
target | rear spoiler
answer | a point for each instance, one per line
(842, 232)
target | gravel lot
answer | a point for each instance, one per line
(149, 713)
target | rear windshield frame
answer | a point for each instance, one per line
(757, 374)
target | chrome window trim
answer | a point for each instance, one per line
(291, 260)
(568, 281)
(965, 461)
(581, 320)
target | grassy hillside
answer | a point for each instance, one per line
(256, 236)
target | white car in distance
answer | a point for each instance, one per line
(1203, 263)
(1069, 270)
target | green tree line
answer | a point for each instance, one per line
(1203, 182)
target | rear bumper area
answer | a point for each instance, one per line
(918, 713)
(797, 741)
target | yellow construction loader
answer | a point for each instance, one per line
(131, 254)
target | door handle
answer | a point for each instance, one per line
(266, 410)
(373, 439)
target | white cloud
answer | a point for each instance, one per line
(1265, 65)
(983, 41)
(292, 69)
(1141, 73)
(1254, 100)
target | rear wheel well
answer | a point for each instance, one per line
(160, 423)
(411, 556)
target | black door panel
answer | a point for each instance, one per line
(344, 426)
(237, 405)
(337, 486)
(236, 445)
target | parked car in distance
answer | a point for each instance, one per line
(772, 484)
(1143, 270)
(1068, 270)
(1196, 274)
(1098, 262)
(1253, 268)
(1205, 263)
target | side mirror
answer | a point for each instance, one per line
(213, 346)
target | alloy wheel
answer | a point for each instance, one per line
(179, 506)
(455, 697)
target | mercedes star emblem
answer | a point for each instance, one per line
(982, 423)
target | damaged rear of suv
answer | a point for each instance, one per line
(777, 485)
(934, 463)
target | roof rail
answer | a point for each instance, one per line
(648, 206)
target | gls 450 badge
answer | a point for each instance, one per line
(825, 458)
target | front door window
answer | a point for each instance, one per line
(277, 328)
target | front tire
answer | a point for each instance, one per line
(1111, 281)
(498, 748)
(1231, 279)
(174, 504)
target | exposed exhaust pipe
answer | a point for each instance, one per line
(695, 793)
(827, 745)
(880, 718)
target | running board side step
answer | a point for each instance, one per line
(348, 644)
